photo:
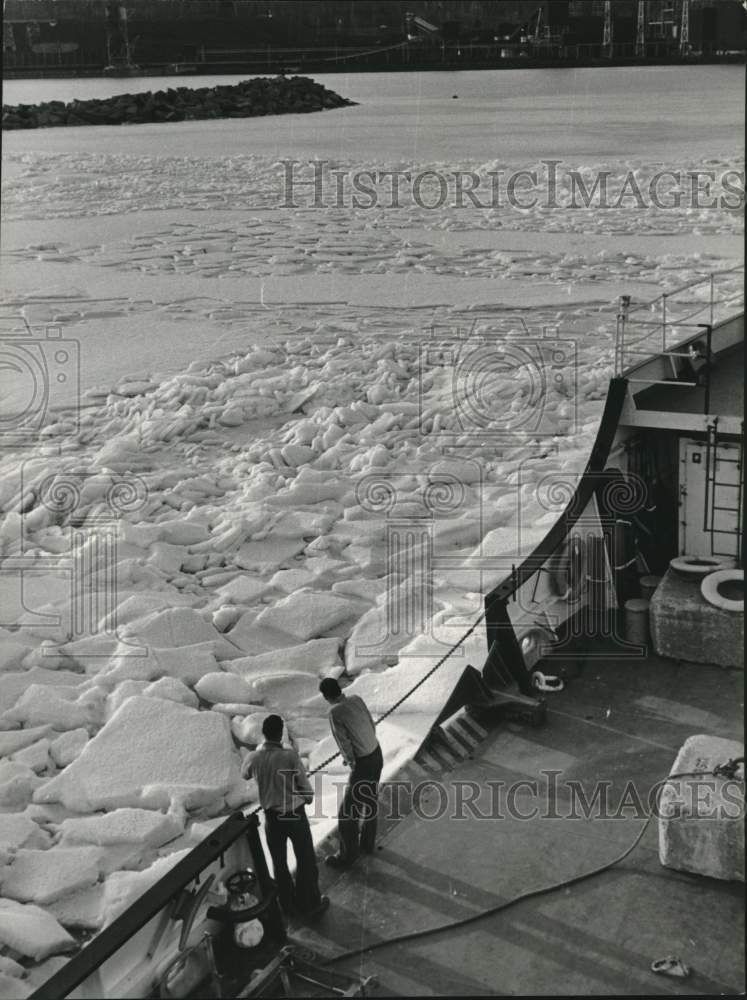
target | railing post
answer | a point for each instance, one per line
(707, 403)
(711, 317)
(664, 322)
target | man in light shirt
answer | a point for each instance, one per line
(284, 793)
(355, 734)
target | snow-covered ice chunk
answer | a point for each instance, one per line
(14, 684)
(141, 603)
(43, 876)
(149, 753)
(226, 616)
(313, 657)
(80, 910)
(12, 653)
(373, 641)
(284, 693)
(29, 930)
(183, 531)
(36, 756)
(308, 614)
(123, 888)
(171, 628)
(302, 523)
(17, 784)
(188, 663)
(250, 637)
(243, 589)
(40, 704)
(366, 590)
(326, 569)
(136, 387)
(11, 968)
(19, 830)
(171, 689)
(221, 686)
(298, 454)
(167, 557)
(291, 580)
(122, 826)
(15, 740)
(268, 554)
(12, 988)
(232, 416)
(232, 708)
(249, 729)
(124, 690)
(68, 746)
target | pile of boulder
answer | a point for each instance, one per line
(263, 96)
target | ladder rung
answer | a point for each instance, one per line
(728, 510)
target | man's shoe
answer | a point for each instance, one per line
(318, 910)
(337, 861)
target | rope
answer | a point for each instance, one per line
(395, 706)
(729, 769)
(412, 690)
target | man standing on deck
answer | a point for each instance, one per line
(355, 734)
(284, 793)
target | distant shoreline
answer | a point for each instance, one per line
(347, 65)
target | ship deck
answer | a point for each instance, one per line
(726, 391)
(618, 721)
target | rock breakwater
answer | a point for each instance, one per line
(248, 99)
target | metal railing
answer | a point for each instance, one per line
(652, 328)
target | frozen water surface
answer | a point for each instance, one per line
(267, 383)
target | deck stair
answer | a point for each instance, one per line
(451, 743)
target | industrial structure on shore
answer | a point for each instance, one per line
(129, 36)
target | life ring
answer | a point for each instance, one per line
(711, 585)
(568, 570)
(696, 567)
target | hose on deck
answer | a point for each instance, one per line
(728, 769)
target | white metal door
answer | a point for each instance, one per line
(709, 499)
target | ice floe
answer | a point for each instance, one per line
(183, 756)
(32, 931)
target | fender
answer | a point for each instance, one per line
(710, 589)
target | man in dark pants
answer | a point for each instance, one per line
(284, 792)
(355, 734)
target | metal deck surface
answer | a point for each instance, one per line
(617, 720)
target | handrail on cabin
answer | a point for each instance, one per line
(626, 317)
(688, 284)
